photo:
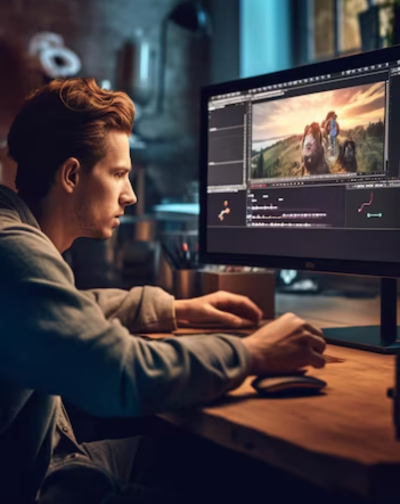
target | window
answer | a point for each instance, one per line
(323, 21)
(333, 28)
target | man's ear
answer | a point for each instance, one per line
(69, 174)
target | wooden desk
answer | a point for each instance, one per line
(341, 440)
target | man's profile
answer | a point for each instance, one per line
(70, 144)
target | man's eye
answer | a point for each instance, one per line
(119, 174)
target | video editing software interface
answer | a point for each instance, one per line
(308, 167)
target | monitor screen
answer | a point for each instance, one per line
(301, 169)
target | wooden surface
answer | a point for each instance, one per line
(343, 439)
(332, 311)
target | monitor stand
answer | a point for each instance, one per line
(384, 338)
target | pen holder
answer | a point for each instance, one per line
(186, 283)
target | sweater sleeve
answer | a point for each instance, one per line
(57, 340)
(140, 309)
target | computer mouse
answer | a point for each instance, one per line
(288, 385)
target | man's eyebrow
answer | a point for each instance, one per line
(122, 168)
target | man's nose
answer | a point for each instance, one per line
(128, 197)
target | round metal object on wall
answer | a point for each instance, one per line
(59, 62)
(44, 40)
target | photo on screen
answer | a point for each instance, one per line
(330, 132)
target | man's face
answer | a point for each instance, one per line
(105, 191)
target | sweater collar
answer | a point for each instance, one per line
(10, 200)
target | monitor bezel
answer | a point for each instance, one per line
(350, 267)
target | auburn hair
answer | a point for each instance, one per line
(63, 119)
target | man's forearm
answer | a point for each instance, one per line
(140, 309)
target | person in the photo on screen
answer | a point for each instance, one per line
(332, 129)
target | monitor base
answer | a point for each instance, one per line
(383, 338)
(363, 338)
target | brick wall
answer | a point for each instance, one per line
(96, 30)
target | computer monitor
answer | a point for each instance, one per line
(300, 169)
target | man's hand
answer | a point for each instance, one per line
(284, 346)
(219, 309)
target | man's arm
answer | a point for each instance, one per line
(56, 340)
(150, 309)
(140, 309)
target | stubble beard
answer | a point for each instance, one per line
(86, 225)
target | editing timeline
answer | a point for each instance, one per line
(266, 210)
(290, 208)
(312, 207)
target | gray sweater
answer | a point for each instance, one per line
(58, 341)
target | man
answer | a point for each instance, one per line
(70, 144)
